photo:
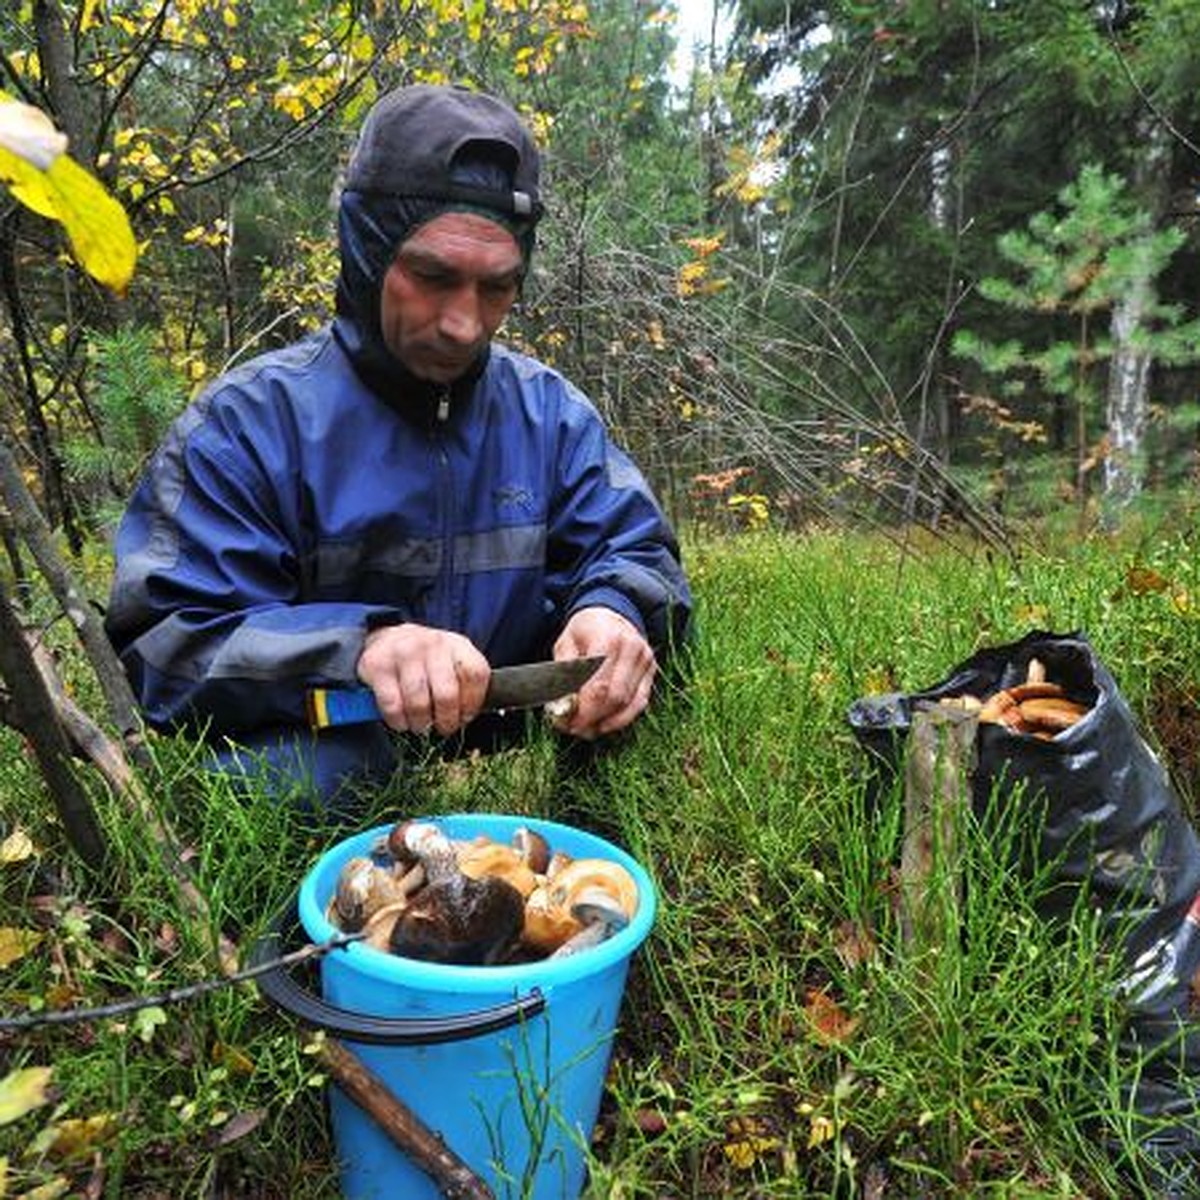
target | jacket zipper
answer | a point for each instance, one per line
(445, 500)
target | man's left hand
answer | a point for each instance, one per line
(618, 693)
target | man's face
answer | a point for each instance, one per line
(446, 293)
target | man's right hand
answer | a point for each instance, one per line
(424, 678)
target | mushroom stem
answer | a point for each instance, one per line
(592, 934)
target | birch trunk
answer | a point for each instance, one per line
(1127, 399)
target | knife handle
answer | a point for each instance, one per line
(329, 707)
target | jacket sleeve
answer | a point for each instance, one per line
(609, 543)
(207, 609)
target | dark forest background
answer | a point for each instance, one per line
(929, 261)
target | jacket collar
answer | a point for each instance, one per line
(418, 400)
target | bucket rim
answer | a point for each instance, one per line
(472, 980)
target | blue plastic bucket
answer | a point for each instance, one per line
(517, 1103)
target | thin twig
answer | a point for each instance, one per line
(191, 991)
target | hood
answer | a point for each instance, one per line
(370, 229)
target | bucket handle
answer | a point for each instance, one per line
(283, 991)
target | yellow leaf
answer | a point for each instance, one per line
(820, 1130)
(16, 943)
(1032, 614)
(45, 179)
(96, 224)
(17, 847)
(702, 247)
(75, 1136)
(750, 1138)
(88, 17)
(51, 1190)
(236, 1061)
(22, 1091)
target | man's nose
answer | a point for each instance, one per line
(461, 318)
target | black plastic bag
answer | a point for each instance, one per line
(1111, 822)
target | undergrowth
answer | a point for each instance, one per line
(780, 1036)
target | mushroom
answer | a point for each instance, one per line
(1051, 713)
(378, 930)
(363, 888)
(547, 925)
(503, 862)
(589, 935)
(587, 891)
(589, 876)
(559, 712)
(558, 860)
(396, 842)
(454, 918)
(533, 849)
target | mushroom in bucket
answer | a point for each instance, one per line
(480, 902)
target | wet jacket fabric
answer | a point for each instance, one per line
(295, 506)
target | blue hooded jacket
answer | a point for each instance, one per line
(319, 491)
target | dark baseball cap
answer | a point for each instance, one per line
(414, 137)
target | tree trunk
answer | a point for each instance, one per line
(57, 58)
(1127, 399)
(54, 490)
(24, 520)
(1128, 386)
(35, 716)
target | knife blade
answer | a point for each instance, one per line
(509, 688)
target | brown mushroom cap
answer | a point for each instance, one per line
(397, 843)
(585, 874)
(533, 849)
(1056, 713)
(547, 924)
(363, 888)
(502, 862)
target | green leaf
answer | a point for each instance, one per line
(147, 1020)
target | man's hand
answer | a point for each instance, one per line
(618, 693)
(424, 678)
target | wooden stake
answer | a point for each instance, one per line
(941, 760)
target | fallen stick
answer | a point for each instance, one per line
(425, 1149)
(91, 743)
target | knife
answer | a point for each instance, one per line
(525, 686)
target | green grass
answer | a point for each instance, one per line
(981, 1066)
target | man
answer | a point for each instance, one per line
(395, 501)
